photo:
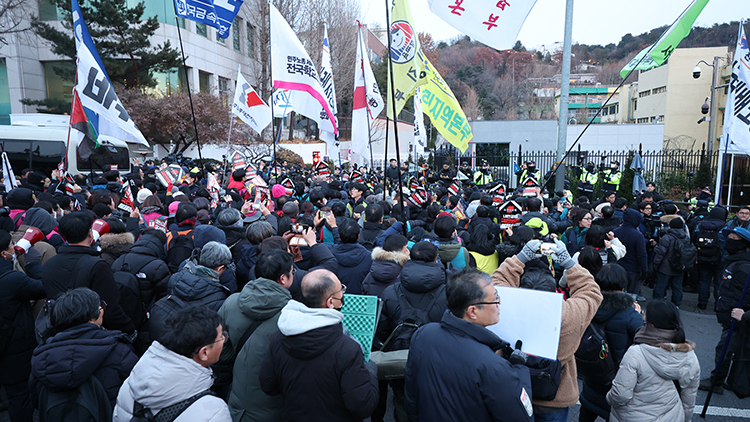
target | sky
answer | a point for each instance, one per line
(594, 21)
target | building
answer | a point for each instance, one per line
(585, 102)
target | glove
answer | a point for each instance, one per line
(517, 357)
(530, 251)
(562, 257)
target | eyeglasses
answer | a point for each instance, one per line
(497, 302)
(102, 305)
(343, 292)
(224, 338)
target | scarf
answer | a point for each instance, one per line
(187, 222)
(653, 336)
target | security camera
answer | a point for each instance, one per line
(696, 72)
(705, 107)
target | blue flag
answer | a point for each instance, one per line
(216, 13)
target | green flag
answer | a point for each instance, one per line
(658, 53)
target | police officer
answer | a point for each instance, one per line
(465, 169)
(530, 170)
(612, 177)
(588, 179)
(483, 176)
(447, 174)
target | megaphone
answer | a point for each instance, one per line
(31, 236)
(99, 228)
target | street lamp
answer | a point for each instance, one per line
(712, 101)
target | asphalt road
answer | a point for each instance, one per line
(704, 331)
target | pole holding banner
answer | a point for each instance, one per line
(190, 96)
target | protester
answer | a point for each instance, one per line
(659, 375)
(664, 262)
(636, 260)
(312, 357)
(387, 263)
(454, 373)
(354, 259)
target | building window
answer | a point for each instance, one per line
(4, 94)
(236, 34)
(219, 39)
(58, 87)
(224, 91)
(659, 90)
(200, 29)
(48, 11)
(644, 93)
(250, 40)
(204, 81)
(605, 111)
(643, 120)
(635, 105)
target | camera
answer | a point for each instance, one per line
(256, 206)
(696, 72)
(299, 228)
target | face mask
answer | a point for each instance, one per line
(342, 304)
(735, 246)
(589, 169)
(532, 169)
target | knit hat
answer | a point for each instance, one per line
(277, 191)
(36, 178)
(718, 213)
(676, 223)
(142, 195)
(291, 209)
(20, 199)
(203, 217)
(101, 210)
(229, 217)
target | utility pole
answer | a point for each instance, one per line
(562, 118)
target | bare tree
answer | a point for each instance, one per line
(14, 16)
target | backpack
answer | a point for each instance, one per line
(167, 414)
(130, 295)
(707, 244)
(370, 243)
(411, 319)
(593, 358)
(88, 402)
(179, 248)
(167, 306)
(682, 255)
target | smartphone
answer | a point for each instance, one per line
(547, 248)
(297, 241)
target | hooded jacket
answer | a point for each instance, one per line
(236, 240)
(354, 265)
(146, 261)
(578, 311)
(311, 357)
(449, 253)
(620, 321)
(385, 269)
(44, 221)
(636, 260)
(454, 374)
(68, 359)
(114, 245)
(162, 378)
(259, 300)
(196, 283)
(731, 286)
(17, 290)
(663, 250)
(644, 388)
(419, 282)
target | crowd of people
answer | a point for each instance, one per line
(195, 303)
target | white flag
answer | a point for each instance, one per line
(326, 79)
(420, 138)
(494, 23)
(292, 69)
(737, 111)
(9, 179)
(282, 104)
(249, 107)
(367, 103)
(96, 92)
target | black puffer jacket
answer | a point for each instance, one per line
(16, 291)
(146, 261)
(69, 358)
(196, 283)
(236, 241)
(731, 286)
(420, 282)
(385, 269)
(114, 245)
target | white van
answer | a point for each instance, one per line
(38, 141)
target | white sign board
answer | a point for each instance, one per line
(531, 316)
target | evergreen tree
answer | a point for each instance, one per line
(122, 38)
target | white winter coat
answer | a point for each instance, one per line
(162, 378)
(644, 388)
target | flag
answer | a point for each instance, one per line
(292, 69)
(281, 100)
(84, 131)
(249, 107)
(459, 211)
(104, 112)
(454, 188)
(213, 190)
(326, 80)
(737, 111)
(444, 110)
(658, 53)
(238, 161)
(367, 104)
(494, 23)
(170, 175)
(9, 179)
(126, 202)
(406, 55)
(420, 139)
(216, 13)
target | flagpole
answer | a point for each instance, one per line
(395, 116)
(270, 74)
(67, 142)
(190, 95)
(367, 106)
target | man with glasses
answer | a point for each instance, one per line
(454, 371)
(317, 368)
(740, 219)
(175, 371)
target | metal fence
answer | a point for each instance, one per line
(658, 165)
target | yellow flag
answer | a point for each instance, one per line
(445, 112)
(406, 55)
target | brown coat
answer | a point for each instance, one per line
(577, 313)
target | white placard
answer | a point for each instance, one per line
(531, 316)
